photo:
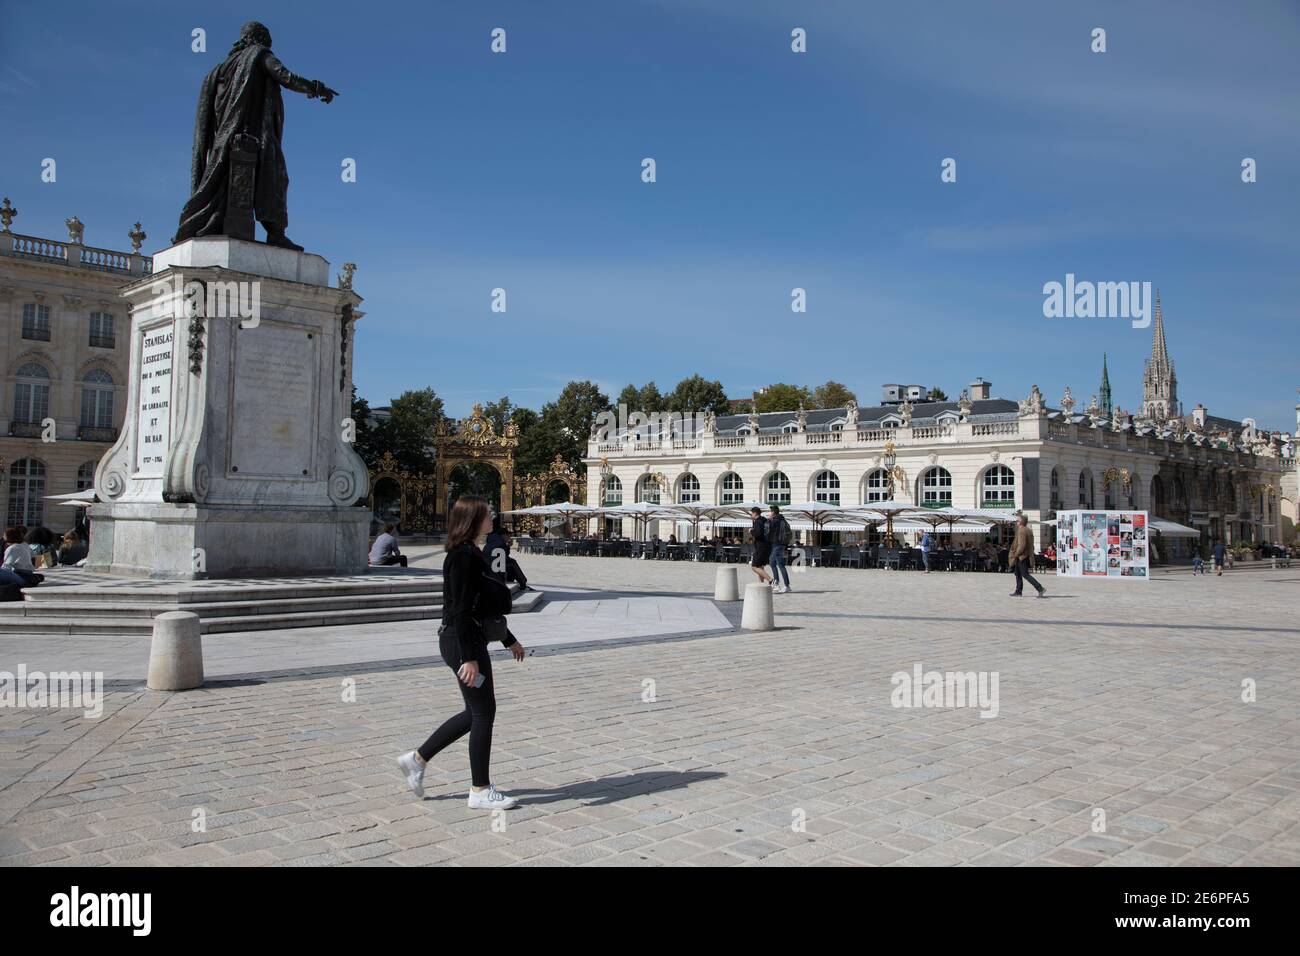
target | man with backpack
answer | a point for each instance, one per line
(780, 535)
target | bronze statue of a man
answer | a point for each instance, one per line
(238, 169)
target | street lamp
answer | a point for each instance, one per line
(606, 472)
(890, 459)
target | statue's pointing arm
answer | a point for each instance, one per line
(292, 81)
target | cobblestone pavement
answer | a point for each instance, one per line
(1119, 703)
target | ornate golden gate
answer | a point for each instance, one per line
(474, 440)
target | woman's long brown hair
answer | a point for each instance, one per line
(467, 516)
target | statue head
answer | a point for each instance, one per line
(253, 33)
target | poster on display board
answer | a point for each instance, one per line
(1102, 544)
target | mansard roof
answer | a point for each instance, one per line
(824, 419)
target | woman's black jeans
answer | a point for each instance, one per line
(477, 717)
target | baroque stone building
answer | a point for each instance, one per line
(64, 355)
(1222, 477)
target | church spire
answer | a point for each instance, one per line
(1105, 386)
(1159, 350)
(1159, 383)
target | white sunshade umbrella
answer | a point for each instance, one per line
(639, 512)
(1172, 529)
(818, 512)
(996, 515)
(695, 512)
(77, 499)
(890, 509)
(562, 510)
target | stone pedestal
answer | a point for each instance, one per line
(756, 612)
(176, 653)
(234, 459)
(725, 587)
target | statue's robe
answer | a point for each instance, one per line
(241, 95)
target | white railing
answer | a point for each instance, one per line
(84, 257)
(31, 247)
(980, 429)
(769, 441)
(823, 438)
(105, 260)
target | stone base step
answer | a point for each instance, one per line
(99, 605)
(65, 607)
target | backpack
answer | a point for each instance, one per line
(780, 531)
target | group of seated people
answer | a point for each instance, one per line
(26, 549)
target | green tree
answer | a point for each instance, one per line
(697, 394)
(371, 437)
(566, 422)
(499, 412)
(537, 445)
(832, 395)
(782, 397)
(938, 395)
(411, 429)
(646, 399)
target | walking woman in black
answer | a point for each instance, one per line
(473, 609)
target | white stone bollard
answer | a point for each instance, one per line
(756, 615)
(176, 654)
(725, 587)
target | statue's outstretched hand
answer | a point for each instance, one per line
(324, 92)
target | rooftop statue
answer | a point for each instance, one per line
(238, 171)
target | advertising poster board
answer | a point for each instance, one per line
(1102, 544)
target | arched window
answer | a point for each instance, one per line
(649, 490)
(688, 489)
(877, 486)
(733, 489)
(97, 399)
(789, 428)
(613, 492)
(1110, 493)
(1157, 495)
(27, 492)
(999, 488)
(826, 488)
(1131, 492)
(1055, 503)
(1085, 489)
(32, 394)
(86, 476)
(778, 489)
(936, 488)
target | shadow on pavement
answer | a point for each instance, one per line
(607, 790)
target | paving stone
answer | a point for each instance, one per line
(1118, 698)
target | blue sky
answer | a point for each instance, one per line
(775, 170)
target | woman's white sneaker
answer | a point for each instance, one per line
(490, 799)
(413, 771)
